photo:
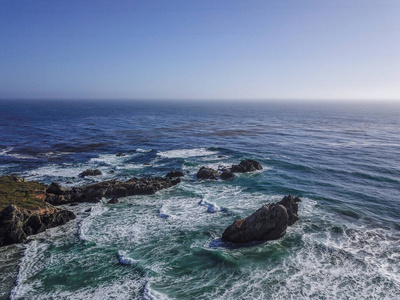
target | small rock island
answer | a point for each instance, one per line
(268, 223)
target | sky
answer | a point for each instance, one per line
(200, 49)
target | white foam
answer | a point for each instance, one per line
(85, 224)
(211, 206)
(150, 294)
(53, 170)
(163, 213)
(6, 150)
(186, 153)
(109, 159)
(52, 154)
(140, 150)
(124, 259)
(28, 265)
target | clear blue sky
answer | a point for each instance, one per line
(200, 49)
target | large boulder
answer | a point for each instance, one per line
(268, 223)
(90, 172)
(207, 173)
(247, 165)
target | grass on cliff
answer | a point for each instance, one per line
(28, 195)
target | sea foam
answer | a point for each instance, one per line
(211, 206)
(124, 259)
(186, 153)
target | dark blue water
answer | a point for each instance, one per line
(343, 160)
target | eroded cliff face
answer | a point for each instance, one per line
(17, 223)
(23, 210)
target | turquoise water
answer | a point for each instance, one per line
(343, 161)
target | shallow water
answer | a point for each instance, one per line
(342, 161)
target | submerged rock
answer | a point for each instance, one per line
(121, 154)
(175, 174)
(268, 223)
(207, 173)
(90, 172)
(247, 165)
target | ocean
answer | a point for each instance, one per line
(343, 160)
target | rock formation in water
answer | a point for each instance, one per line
(244, 166)
(175, 174)
(207, 173)
(23, 210)
(57, 195)
(247, 165)
(268, 223)
(90, 172)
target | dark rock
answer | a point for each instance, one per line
(247, 165)
(267, 223)
(55, 188)
(175, 181)
(227, 175)
(112, 188)
(146, 164)
(73, 204)
(290, 203)
(17, 223)
(221, 156)
(120, 154)
(112, 172)
(207, 173)
(90, 172)
(175, 174)
(114, 200)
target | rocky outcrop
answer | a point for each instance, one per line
(173, 174)
(244, 166)
(90, 172)
(55, 188)
(110, 188)
(17, 223)
(268, 223)
(207, 173)
(227, 175)
(247, 165)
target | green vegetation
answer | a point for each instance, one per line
(28, 195)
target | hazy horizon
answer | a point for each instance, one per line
(332, 51)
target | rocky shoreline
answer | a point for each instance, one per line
(28, 208)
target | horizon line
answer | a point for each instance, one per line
(326, 100)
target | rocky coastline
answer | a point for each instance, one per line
(29, 207)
